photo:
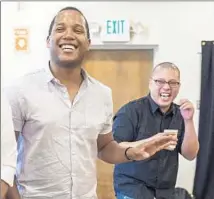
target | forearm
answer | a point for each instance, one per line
(113, 153)
(4, 189)
(190, 145)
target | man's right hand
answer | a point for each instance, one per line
(152, 145)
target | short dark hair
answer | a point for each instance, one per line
(70, 8)
(168, 65)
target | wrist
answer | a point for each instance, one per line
(128, 154)
(188, 121)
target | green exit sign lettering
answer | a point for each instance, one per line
(116, 30)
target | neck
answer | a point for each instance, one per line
(163, 109)
(67, 76)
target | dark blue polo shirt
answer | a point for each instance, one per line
(141, 119)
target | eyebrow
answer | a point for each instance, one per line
(62, 24)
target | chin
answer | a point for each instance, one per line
(69, 63)
(67, 59)
(164, 104)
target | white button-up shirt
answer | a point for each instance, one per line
(59, 136)
(8, 143)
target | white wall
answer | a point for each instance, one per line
(177, 27)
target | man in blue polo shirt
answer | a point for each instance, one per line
(146, 117)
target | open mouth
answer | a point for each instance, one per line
(67, 47)
(165, 96)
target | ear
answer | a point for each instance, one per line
(48, 42)
(150, 83)
(89, 43)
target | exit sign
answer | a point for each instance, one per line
(116, 30)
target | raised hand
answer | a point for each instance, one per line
(187, 109)
(151, 146)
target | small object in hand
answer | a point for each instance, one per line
(171, 132)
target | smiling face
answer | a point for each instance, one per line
(68, 41)
(164, 86)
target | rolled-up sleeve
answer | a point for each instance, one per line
(108, 108)
(8, 143)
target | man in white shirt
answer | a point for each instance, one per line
(65, 118)
(8, 147)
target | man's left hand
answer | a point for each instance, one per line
(187, 109)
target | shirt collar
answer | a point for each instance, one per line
(50, 76)
(155, 107)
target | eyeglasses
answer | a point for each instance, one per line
(161, 83)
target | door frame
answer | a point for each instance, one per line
(120, 46)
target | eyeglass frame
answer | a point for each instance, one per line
(177, 84)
